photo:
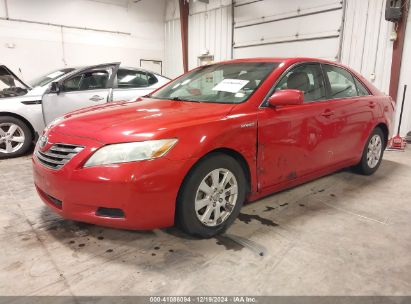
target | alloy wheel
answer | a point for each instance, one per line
(11, 138)
(216, 197)
(374, 151)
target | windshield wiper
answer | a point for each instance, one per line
(181, 99)
(177, 99)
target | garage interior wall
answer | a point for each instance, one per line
(210, 30)
(405, 79)
(287, 28)
(173, 56)
(366, 46)
(126, 32)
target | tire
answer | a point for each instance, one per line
(372, 154)
(205, 222)
(17, 143)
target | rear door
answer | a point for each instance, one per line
(88, 87)
(353, 110)
(132, 83)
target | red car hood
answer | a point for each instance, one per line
(140, 120)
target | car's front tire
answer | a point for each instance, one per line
(373, 153)
(211, 196)
(15, 137)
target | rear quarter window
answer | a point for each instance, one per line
(362, 90)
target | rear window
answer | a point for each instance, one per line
(362, 90)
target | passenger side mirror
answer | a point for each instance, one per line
(286, 98)
(55, 87)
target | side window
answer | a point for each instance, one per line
(342, 83)
(73, 84)
(362, 91)
(89, 80)
(307, 78)
(128, 79)
(151, 79)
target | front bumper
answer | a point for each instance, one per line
(145, 191)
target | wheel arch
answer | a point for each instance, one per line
(385, 131)
(239, 158)
(227, 151)
(29, 125)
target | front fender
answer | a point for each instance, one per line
(30, 112)
(234, 132)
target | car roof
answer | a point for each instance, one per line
(288, 60)
(123, 67)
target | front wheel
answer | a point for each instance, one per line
(211, 196)
(15, 137)
(372, 154)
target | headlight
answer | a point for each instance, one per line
(130, 152)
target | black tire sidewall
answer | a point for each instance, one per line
(27, 135)
(363, 165)
(186, 214)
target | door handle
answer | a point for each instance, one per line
(327, 113)
(96, 98)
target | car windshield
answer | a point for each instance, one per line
(49, 77)
(219, 83)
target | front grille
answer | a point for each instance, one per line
(58, 155)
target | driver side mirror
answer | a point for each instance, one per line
(286, 98)
(55, 87)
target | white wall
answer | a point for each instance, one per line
(209, 30)
(293, 28)
(173, 57)
(367, 47)
(41, 48)
(405, 78)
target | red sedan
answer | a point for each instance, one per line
(195, 150)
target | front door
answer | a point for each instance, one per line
(88, 87)
(295, 140)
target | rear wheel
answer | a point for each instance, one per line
(373, 153)
(15, 137)
(211, 196)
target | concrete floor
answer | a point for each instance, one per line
(344, 234)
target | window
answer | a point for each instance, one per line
(46, 79)
(151, 79)
(342, 84)
(362, 91)
(218, 83)
(89, 80)
(307, 78)
(134, 79)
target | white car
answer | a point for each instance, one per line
(25, 109)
